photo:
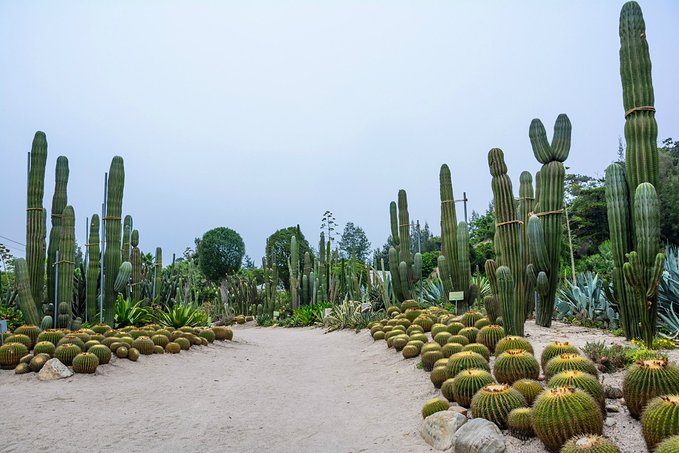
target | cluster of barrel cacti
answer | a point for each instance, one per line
(28, 348)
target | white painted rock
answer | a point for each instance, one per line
(54, 369)
(479, 436)
(438, 430)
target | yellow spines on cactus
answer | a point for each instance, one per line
(449, 349)
(520, 423)
(433, 406)
(468, 382)
(469, 318)
(589, 443)
(102, 352)
(438, 376)
(555, 349)
(173, 348)
(85, 362)
(515, 364)
(583, 381)
(67, 352)
(465, 360)
(529, 388)
(478, 348)
(565, 362)
(11, 354)
(645, 380)
(660, 419)
(494, 402)
(490, 335)
(669, 445)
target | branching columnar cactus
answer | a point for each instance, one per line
(546, 241)
(453, 263)
(405, 270)
(66, 259)
(135, 260)
(293, 266)
(511, 273)
(93, 269)
(24, 297)
(633, 214)
(114, 207)
(36, 219)
(59, 202)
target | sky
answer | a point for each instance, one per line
(260, 115)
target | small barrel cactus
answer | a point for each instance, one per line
(515, 364)
(429, 358)
(160, 340)
(44, 347)
(22, 368)
(560, 413)
(122, 352)
(11, 354)
(529, 388)
(438, 376)
(520, 423)
(158, 349)
(669, 445)
(20, 338)
(410, 351)
(101, 328)
(660, 419)
(173, 348)
(144, 345)
(468, 382)
(133, 354)
(512, 342)
(465, 360)
(85, 362)
(442, 337)
(490, 336)
(37, 362)
(437, 328)
(455, 327)
(589, 443)
(481, 323)
(30, 331)
(583, 381)
(449, 349)
(448, 389)
(90, 343)
(565, 362)
(469, 318)
(67, 352)
(459, 339)
(425, 322)
(51, 335)
(645, 380)
(494, 402)
(478, 348)
(433, 406)
(556, 349)
(72, 339)
(102, 352)
(469, 333)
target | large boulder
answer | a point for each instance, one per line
(54, 369)
(479, 436)
(438, 430)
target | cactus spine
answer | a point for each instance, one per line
(135, 260)
(114, 207)
(66, 259)
(36, 219)
(405, 270)
(93, 268)
(633, 213)
(550, 210)
(511, 275)
(24, 296)
(59, 202)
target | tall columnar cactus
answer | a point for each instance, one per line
(93, 268)
(549, 210)
(449, 248)
(59, 202)
(36, 219)
(307, 283)
(24, 296)
(322, 274)
(114, 208)
(127, 233)
(511, 274)
(66, 259)
(293, 266)
(158, 272)
(526, 206)
(405, 270)
(135, 259)
(633, 212)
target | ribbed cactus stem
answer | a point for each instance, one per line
(449, 246)
(36, 219)
(93, 268)
(158, 272)
(112, 260)
(404, 228)
(463, 266)
(135, 260)
(66, 258)
(293, 265)
(127, 233)
(526, 205)
(24, 296)
(59, 202)
(322, 276)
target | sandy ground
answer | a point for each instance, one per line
(272, 389)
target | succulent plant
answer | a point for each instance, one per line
(72, 339)
(122, 352)
(589, 443)
(529, 388)
(448, 389)
(30, 331)
(85, 362)
(562, 412)
(555, 349)
(515, 364)
(494, 402)
(22, 368)
(90, 343)
(429, 358)
(520, 423)
(481, 323)
(158, 349)
(449, 349)
(183, 342)
(101, 328)
(133, 354)
(11, 354)
(660, 419)
(51, 335)
(459, 339)
(173, 348)
(583, 381)
(469, 318)
(478, 348)
(400, 342)
(645, 380)
(102, 352)
(565, 362)
(19, 338)
(470, 333)
(455, 327)
(438, 376)
(468, 382)
(66, 353)
(490, 336)
(45, 347)
(144, 345)
(425, 322)
(669, 445)
(442, 337)
(512, 342)
(465, 360)
(433, 406)
(410, 351)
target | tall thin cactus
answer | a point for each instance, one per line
(93, 269)
(66, 263)
(322, 274)
(449, 248)
(405, 269)
(24, 296)
(158, 273)
(293, 266)
(127, 233)
(36, 220)
(550, 210)
(112, 259)
(59, 202)
(135, 260)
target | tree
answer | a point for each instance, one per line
(220, 253)
(668, 188)
(278, 251)
(481, 235)
(354, 242)
(586, 204)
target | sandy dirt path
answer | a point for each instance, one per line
(271, 390)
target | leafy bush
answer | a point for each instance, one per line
(668, 296)
(13, 316)
(180, 315)
(128, 313)
(585, 300)
(309, 315)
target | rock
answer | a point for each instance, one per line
(612, 392)
(438, 430)
(479, 436)
(54, 369)
(457, 408)
(610, 422)
(612, 408)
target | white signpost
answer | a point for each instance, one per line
(327, 312)
(456, 296)
(366, 306)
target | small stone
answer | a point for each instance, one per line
(612, 408)
(438, 430)
(623, 402)
(53, 370)
(479, 436)
(612, 392)
(610, 422)
(459, 409)
(541, 377)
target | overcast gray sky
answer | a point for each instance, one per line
(258, 115)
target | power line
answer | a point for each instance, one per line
(12, 240)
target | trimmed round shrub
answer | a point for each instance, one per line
(513, 342)
(520, 423)
(85, 362)
(660, 419)
(515, 364)
(465, 360)
(529, 388)
(468, 382)
(556, 349)
(565, 362)
(563, 412)
(102, 352)
(494, 402)
(67, 352)
(645, 380)
(589, 443)
(584, 381)
(433, 406)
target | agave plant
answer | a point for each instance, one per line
(432, 291)
(585, 299)
(350, 315)
(668, 295)
(131, 313)
(180, 315)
